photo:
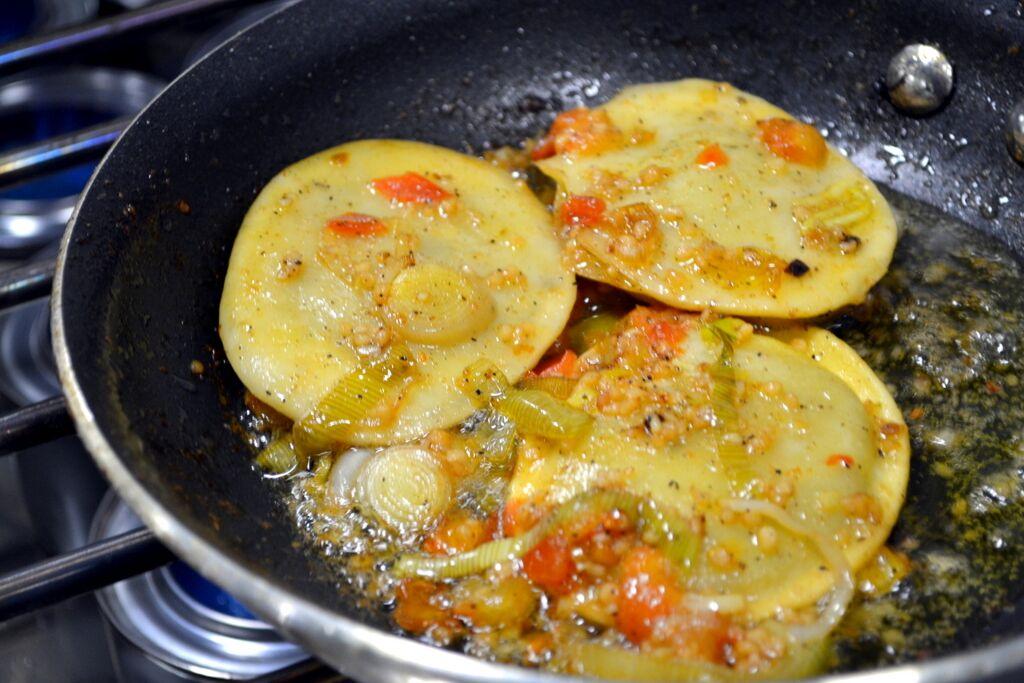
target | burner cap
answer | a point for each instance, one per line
(49, 103)
(181, 621)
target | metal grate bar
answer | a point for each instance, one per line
(94, 566)
(31, 51)
(60, 152)
(25, 283)
(35, 424)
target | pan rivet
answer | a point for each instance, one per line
(1015, 132)
(919, 79)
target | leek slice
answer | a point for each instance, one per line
(278, 458)
(468, 563)
(493, 439)
(539, 413)
(434, 304)
(670, 533)
(559, 387)
(350, 401)
(403, 487)
(586, 333)
(533, 411)
(482, 382)
(483, 491)
(731, 455)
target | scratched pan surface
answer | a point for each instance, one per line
(144, 261)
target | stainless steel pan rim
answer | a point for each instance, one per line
(360, 651)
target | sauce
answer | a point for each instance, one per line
(944, 330)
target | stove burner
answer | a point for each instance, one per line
(174, 619)
(27, 370)
(20, 18)
(28, 373)
(44, 105)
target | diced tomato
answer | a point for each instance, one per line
(840, 459)
(580, 210)
(579, 131)
(667, 332)
(584, 526)
(659, 327)
(356, 225)
(712, 156)
(563, 365)
(700, 635)
(545, 149)
(648, 591)
(415, 608)
(519, 516)
(794, 141)
(410, 188)
(458, 533)
(550, 565)
(538, 646)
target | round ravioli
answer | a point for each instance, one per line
(702, 196)
(811, 429)
(381, 247)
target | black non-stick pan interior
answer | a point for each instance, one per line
(146, 261)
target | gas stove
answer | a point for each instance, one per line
(59, 522)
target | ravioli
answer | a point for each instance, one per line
(380, 245)
(701, 196)
(818, 435)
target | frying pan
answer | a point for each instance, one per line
(142, 265)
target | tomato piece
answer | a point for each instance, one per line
(580, 131)
(666, 332)
(356, 225)
(563, 365)
(519, 516)
(794, 141)
(415, 607)
(659, 328)
(545, 149)
(648, 591)
(538, 647)
(580, 210)
(840, 459)
(712, 156)
(699, 635)
(550, 565)
(457, 533)
(410, 188)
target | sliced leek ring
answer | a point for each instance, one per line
(405, 488)
(434, 304)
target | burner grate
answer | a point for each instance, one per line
(113, 559)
